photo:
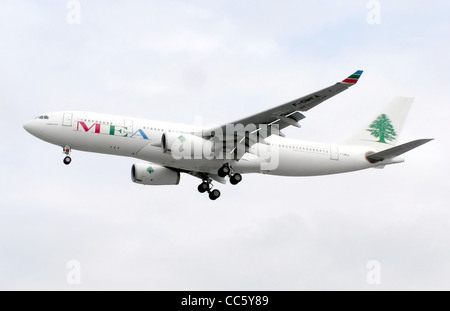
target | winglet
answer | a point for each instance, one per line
(353, 78)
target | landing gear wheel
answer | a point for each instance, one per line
(206, 186)
(224, 171)
(203, 187)
(235, 179)
(66, 150)
(67, 160)
(214, 195)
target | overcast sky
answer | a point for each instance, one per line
(218, 61)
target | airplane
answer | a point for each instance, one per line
(224, 153)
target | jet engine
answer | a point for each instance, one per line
(153, 174)
(187, 145)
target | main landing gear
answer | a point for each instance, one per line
(235, 179)
(226, 170)
(206, 186)
(66, 150)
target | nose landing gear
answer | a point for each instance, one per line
(66, 150)
(67, 160)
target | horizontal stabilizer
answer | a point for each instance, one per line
(396, 151)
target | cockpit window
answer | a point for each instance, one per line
(42, 117)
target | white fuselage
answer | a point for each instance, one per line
(138, 138)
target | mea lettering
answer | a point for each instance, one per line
(247, 301)
(112, 130)
(87, 129)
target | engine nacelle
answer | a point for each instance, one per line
(187, 146)
(153, 174)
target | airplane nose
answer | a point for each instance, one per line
(27, 127)
(31, 127)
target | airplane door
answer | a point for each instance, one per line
(128, 127)
(334, 153)
(67, 119)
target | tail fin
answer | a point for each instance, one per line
(384, 130)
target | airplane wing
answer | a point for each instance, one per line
(275, 119)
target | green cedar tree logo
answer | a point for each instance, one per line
(382, 129)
